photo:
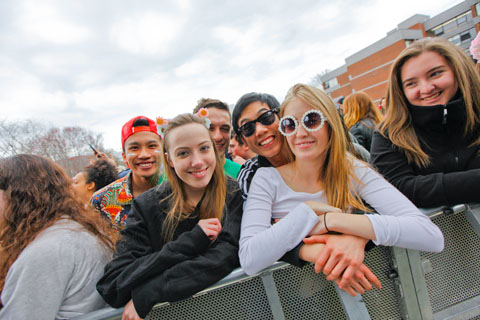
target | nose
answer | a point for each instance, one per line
(216, 135)
(301, 132)
(196, 160)
(426, 87)
(143, 153)
(260, 129)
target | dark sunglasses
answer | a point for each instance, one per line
(312, 120)
(266, 118)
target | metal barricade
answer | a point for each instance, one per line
(416, 285)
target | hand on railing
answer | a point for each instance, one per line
(129, 313)
(341, 260)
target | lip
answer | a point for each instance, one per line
(433, 98)
(145, 165)
(304, 144)
(199, 173)
(267, 142)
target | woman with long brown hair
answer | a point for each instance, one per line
(52, 250)
(318, 186)
(428, 145)
(361, 116)
(182, 236)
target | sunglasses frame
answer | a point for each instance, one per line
(274, 112)
(322, 122)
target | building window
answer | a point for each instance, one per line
(453, 23)
(455, 39)
(477, 8)
(330, 83)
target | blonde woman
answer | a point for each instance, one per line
(361, 116)
(428, 145)
(317, 189)
(182, 236)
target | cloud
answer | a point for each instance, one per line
(146, 33)
(46, 23)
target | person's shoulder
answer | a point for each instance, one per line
(98, 196)
(249, 167)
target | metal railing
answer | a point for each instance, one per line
(411, 280)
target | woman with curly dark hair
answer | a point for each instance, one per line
(52, 250)
(94, 177)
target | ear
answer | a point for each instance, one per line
(91, 186)
(169, 161)
(125, 160)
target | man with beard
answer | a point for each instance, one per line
(142, 150)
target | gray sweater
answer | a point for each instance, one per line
(55, 276)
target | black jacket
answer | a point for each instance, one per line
(453, 175)
(149, 271)
(362, 131)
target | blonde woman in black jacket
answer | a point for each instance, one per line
(429, 142)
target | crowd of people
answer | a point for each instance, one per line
(210, 191)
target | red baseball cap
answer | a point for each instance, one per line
(147, 125)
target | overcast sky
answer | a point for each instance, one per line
(99, 63)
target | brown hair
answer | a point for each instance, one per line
(215, 193)
(397, 125)
(211, 103)
(338, 169)
(358, 106)
(37, 194)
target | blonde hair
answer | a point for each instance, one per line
(358, 106)
(338, 169)
(397, 125)
(213, 200)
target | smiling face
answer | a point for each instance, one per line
(142, 153)
(266, 140)
(306, 145)
(428, 80)
(191, 155)
(219, 129)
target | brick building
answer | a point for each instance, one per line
(367, 70)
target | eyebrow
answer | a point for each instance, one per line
(259, 111)
(188, 148)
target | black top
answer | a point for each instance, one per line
(453, 175)
(362, 131)
(149, 271)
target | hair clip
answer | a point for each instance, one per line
(161, 126)
(203, 114)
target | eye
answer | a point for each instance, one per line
(153, 146)
(133, 148)
(205, 148)
(182, 154)
(408, 84)
(436, 73)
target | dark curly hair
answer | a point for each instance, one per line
(101, 172)
(37, 193)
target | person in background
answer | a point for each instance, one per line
(315, 190)
(181, 236)
(239, 150)
(428, 145)
(52, 250)
(95, 176)
(219, 125)
(142, 151)
(361, 116)
(382, 107)
(255, 119)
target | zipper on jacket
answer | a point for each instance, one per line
(445, 112)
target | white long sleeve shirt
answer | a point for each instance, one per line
(399, 222)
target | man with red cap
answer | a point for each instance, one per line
(142, 152)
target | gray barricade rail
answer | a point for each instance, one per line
(416, 285)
